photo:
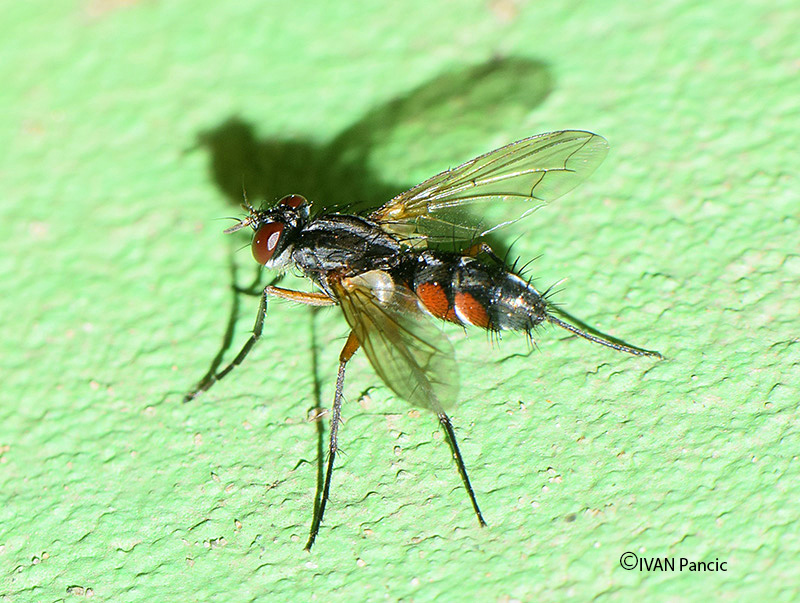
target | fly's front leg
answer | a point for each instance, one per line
(311, 299)
(347, 352)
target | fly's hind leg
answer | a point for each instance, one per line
(350, 348)
(475, 250)
(444, 421)
(311, 299)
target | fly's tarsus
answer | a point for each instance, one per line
(603, 340)
(350, 347)
(444, 421)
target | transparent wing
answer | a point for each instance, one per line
(524, 174)
(407, 351)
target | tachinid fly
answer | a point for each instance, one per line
(386, 273)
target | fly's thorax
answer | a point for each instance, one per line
(467, 291)
(344, 244)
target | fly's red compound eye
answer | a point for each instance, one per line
(265, 241)
(293, 201)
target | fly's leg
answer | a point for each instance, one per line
(475, 250)
(311, 299)
(605, 340)
(602, 339)
(255, 289)
(347, 352)
(444, 420)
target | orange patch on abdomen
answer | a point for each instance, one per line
(470, 310)
(434, 298)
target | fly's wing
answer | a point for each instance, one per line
(525, 174)
(405, 348)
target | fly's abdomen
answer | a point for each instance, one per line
(464, 290)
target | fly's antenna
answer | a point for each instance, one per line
(243, 223)
(246, 204)
(249, 220)
(607, 342)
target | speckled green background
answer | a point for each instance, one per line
(127, 128)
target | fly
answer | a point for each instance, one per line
(384, 270)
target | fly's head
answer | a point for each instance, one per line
(274, 229)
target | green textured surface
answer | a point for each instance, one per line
(127, 128)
